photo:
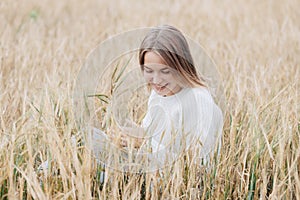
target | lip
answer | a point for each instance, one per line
(159, 87)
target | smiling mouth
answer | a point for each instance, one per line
(159, 87)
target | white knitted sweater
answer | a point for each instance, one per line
(190, 118)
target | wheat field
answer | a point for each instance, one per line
(256, 48)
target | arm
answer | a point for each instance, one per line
(132, 137)
(202, 121)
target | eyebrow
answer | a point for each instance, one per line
(161, 69)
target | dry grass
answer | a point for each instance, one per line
(255, 45)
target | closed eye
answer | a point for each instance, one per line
(165, 71)
(148, 70)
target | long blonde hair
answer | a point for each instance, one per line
(171, 45)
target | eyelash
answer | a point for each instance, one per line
(150, 71)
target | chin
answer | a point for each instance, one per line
(162, 93)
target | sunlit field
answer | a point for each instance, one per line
(256, 48)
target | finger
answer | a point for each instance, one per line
(123, 143)
(123, 137)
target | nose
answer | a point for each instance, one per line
(156, 79)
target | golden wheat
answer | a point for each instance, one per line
(255, 45)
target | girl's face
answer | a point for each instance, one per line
(161, 77)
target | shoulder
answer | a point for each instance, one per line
(201, 91)
(199, 100)
(199, 94)
(206, 103)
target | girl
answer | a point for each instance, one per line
(181, 112)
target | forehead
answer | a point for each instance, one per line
(152, 58)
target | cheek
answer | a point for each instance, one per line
(169, 78)
(147, 76)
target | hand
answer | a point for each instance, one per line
(132, 137)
